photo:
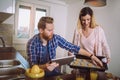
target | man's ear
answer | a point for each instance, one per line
(41, 30)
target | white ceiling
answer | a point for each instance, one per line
(70, 1)
(62, 1)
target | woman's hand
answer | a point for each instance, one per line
(96, 61)
(94, 58)
(108, 60)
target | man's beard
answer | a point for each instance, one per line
(47, 38)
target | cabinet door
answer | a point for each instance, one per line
(7, 6)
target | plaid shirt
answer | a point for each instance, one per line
(35, 48)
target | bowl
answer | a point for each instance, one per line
(35, 75)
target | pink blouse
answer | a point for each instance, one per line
(95, 43)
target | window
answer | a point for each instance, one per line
(23, 21)
(26, 20)
(39, 14)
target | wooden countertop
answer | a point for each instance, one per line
(102, 76)
(64, 77)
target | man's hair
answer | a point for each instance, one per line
(43, 20)
(84, 11)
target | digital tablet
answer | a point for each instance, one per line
(63, 60)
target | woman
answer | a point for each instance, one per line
(90, 36)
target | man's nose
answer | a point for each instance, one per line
(51, 32)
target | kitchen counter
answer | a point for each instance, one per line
(101, 76)
(62, 77)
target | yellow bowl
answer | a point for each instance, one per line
(35, 75)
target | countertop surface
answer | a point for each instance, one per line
(60, 77)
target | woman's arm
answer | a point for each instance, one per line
(94, 58)
(105, 47)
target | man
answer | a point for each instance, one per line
(42, 47)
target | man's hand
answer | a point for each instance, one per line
(52, 66)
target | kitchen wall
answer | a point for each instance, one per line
(108, 17)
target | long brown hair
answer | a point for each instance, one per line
(84, 11)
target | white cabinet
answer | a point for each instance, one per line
(7, 6)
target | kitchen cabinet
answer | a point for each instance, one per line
(7, 9)
(7, 6)
(4, 16)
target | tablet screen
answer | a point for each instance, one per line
(63, 60)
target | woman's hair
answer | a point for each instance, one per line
(43, 20)
(84, 11)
